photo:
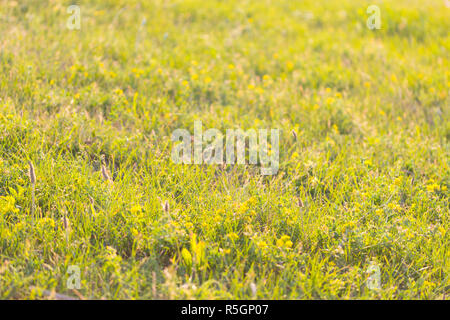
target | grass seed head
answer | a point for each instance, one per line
(294, 134)
(253, 289)
(66, 222)
(166, 207)
(105, 174)
(32, 173)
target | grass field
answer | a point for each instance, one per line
(363, 175)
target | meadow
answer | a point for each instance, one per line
(361, 195)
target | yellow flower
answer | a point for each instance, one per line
(137, 72)
(5, 233)
(208, 80)
(99, 13)
(7, 204)
(135, 209)
(134, 232)
(335, 128)
(243, 208)
(19, 226)
(428, 284)
(261, 244)
(46, 222)
(118, 92)
(433, 187)
(233, 236)
(284, 242)
(251, 201)
(290, 65)
(394, 206)
(288, 244)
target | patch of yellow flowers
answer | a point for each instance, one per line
(284, 242)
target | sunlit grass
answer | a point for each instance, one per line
(364, 151)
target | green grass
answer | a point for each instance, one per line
(365, 182)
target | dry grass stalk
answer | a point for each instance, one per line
(32, 175)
